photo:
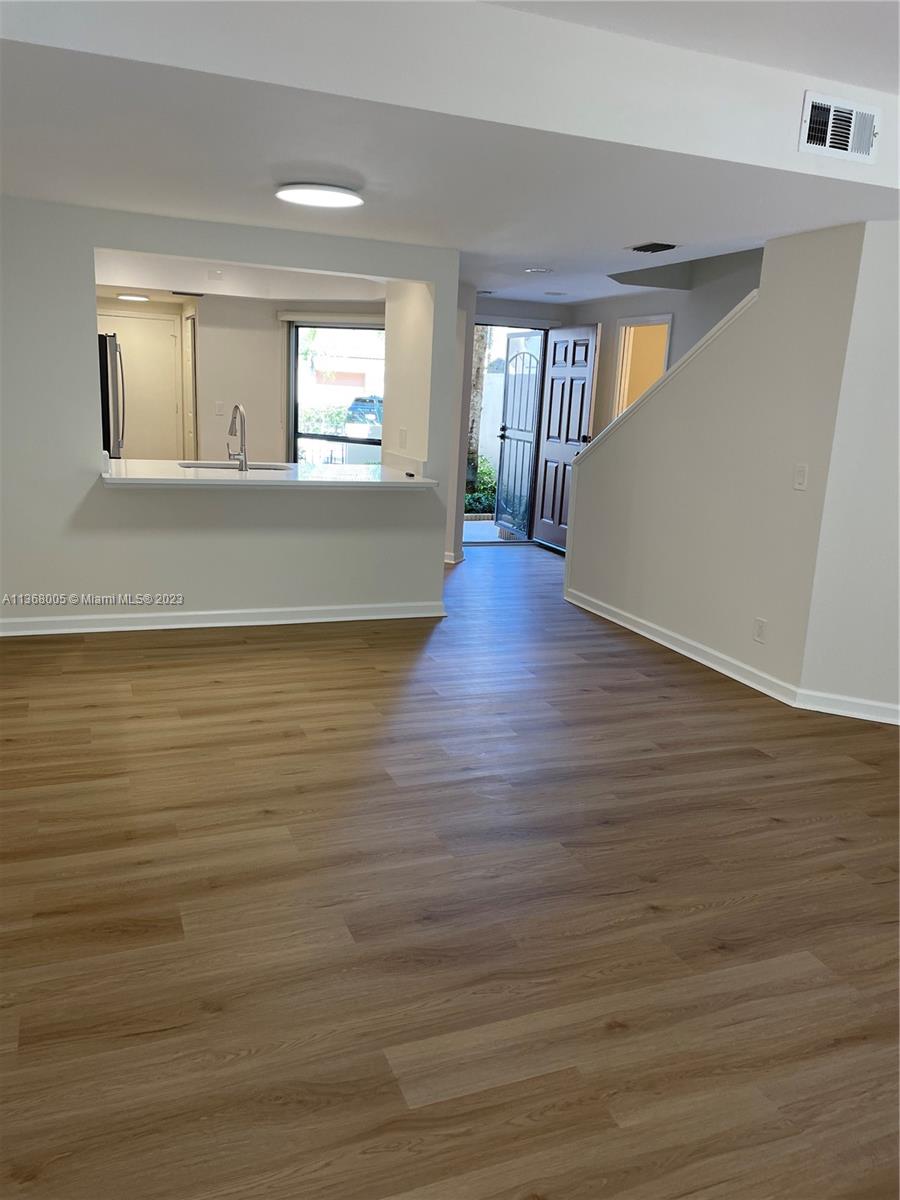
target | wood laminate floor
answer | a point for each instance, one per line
(510, 906)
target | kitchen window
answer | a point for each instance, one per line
(337, 393)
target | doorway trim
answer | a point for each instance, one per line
(623, 344)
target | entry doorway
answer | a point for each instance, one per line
(643, 356)
(507, 368)
(531, 413)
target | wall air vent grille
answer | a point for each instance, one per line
(864, 134)
(653, 247)
(836, 128)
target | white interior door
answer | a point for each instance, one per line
(152, 360)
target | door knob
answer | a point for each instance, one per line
(586, 437)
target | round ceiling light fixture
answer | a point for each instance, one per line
(133, 297)
(538, 270)
(319, 195)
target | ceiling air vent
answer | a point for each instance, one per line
(653, 247)
(834, 127)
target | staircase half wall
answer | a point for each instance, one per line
(687, 523)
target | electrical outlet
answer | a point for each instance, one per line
(801, 474)
(759, 629)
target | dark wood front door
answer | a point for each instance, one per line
(565, 427)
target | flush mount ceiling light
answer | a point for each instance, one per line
(133, 297)
(538, 270)
(319, 195)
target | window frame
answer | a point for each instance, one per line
(293, 432)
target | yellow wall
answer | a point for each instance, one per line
(648, 360)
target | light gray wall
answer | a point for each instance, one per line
(408, 318)
(851, 644)
(494, 310)
(593, 83)
(126, 269)
(63, 531)
(241, 359)
(719, 284)
(685, 516)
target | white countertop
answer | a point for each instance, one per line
(153, 473)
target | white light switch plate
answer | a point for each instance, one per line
(801, 474)
(220, 408)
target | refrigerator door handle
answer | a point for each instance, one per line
(121, 365)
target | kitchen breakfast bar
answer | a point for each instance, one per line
(158, 473)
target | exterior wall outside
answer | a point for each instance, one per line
(491, 417)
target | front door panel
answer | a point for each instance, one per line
(565, 427)
(521, 389)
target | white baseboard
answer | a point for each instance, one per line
(844, 706)
(109, 622)
(848, 706)
(452, 559)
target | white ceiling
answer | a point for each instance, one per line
(115, 133)
(855, 41)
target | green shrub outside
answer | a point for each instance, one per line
(481, 492)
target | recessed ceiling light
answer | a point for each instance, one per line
(319, 195)
(133, 297)
(538, 270)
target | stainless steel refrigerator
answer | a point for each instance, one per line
(112, 394)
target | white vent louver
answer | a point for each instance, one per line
(834, 127)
